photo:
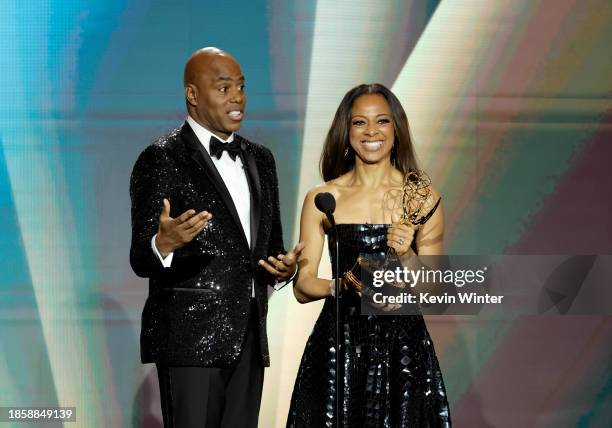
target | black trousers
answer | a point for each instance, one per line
(204, 397)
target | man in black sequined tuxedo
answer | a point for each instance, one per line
(206, 231)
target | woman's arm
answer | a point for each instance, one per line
(308, 286)
(429, 241)
(430, 237)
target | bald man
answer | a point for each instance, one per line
(206, 231)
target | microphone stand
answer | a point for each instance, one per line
(326, 203)
(338, 330)
(331, 219)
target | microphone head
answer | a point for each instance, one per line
(325, 202)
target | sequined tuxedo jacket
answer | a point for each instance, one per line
(197, 310)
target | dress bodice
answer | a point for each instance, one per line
(356, 239)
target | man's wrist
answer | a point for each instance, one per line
(294, 274)
(165, 260)
(280, 283)
(163, 248)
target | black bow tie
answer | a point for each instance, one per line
(217, 148)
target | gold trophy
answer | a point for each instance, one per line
(417, 206)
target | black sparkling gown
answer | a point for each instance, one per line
(389, 369)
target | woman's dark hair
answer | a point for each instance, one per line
(333, 161)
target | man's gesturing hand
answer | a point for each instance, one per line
(173, 233)
(283, 267)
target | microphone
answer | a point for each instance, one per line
(326, 203)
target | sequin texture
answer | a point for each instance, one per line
(198, 309)
(390, 373)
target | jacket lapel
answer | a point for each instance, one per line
(254, 186)
(199, 154)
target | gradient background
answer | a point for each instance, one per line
(510, 106)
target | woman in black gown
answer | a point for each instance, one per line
(390, 375)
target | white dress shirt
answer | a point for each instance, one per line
(234, 177)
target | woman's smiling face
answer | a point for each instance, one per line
(371, 133)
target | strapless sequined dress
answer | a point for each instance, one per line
(390, 375)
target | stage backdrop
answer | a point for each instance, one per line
(510, 107)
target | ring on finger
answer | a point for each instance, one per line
(401, 241)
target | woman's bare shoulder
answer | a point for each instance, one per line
(321, 188)
(334, 187)
(434, 193)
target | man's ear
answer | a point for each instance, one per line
(191, 94)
